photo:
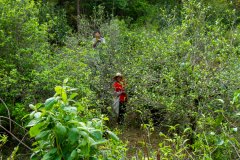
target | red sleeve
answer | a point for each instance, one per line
(117, 87)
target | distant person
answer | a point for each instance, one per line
(120, 97)
(97, 39)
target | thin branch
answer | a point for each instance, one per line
(14, 122)
(10, 125)
(235, 149)
(23, 137)
(16, 138)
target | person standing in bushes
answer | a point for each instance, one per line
(120, 97)
(97, 39)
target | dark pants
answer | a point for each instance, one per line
(122, 111)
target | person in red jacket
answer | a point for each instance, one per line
(120, 97)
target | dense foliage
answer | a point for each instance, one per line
(181, 61)
(62, 130)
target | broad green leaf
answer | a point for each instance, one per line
(50, 102)
(98, 124)
(84, 134)
(73, 135)
(50, 154)
(39, 105)
(37, 115)
(35, 130)
(139, 111)
(33, 122)
(78, 104)
(96, 134)
(80, 107)
(73, 122)
(32, 114)
(32, 106)
(91, 140)
(60, 129)
(187, 129)
(99, 142)
(73, 95)
(89, 123)
(112, 135)
(212, 133)
(65, 81)
(58, 90)
(220, 100)
(105, 118)
(70, 109)
(93, 158)
(220, 142)
(83, 142)
(64, 96)
(59, 157)
(235, 129)
(42, 135)
(72, 89)
(82, 124)
(73, 155)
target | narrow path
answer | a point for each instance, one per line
(138, 141)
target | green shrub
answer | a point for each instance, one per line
(62, 129)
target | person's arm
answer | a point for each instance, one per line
(103, 40)
(116, 94)
(95, 42)
(117, 90)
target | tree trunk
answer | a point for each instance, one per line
(78, 15)
(61, 2)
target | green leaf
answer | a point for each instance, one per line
(70, 109)
(91, 140)
(220, 100)
(32, 114)
(93, 158)
(33, 122)
(50, 154)
(96, 134)
(212, 133)
(82, 124)
(73, 95)
(80, 108)
(64, 96)
(58, 90)
(105, 118)
(73, 155)
(37, 115)
(84, 134)
(35, 130)
(99, 142)
(235, 129)
(39, 105)
(50, 102)
(32, 106)
(220, 142)
(73, 135)
(187, 130)
(65, 81)
(112, 135)
(60, 129)
(42, 134)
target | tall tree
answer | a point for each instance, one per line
(78, 14)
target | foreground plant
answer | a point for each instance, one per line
(63, 131)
